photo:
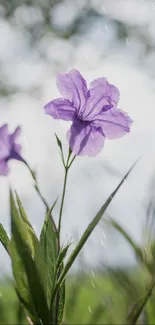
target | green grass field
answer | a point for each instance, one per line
(101, 299)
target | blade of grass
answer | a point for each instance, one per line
(138, 307)
(88, 232)
(128, 238)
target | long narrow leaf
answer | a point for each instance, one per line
(57, 308)
(49, 248)
(88, 231)
(20, 249)
(50, 254)
(31, 236)
(21, 280)
(138, 307)
(61, 303)
(62, 255)
(30, 312)
(31, 239)
(128, 238)
(4, 239)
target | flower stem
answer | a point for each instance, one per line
(62, 201)
(37, 187)
(43, 200)
(66, 166)
(71, 162)
(63, 192)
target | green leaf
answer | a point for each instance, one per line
(126, 283)
(128, 238)
(62, 255)
(61, 149)
(88, 232)
(96, 316)
(49, 247)
(52, 261)
(58, 142)
(57, 307)
(21, 281)
(138, 307)
(25, 269)
(61, 303)
(32, 239)
(4, 239)
(29, 309)
(31, 236)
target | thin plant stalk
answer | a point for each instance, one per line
(37, 187)
(66, 166)
(40, 195)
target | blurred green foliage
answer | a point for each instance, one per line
(99, 298)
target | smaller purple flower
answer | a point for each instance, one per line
(9, 149)
(93, 112)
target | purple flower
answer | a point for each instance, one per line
(9, 149)
(94, 113)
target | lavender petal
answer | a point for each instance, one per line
(73, 87)
(115, 123)
(103, 97)
(60, 109)
(85, 139)
(4, 170)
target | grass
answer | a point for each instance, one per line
(102, 299)
(11, 311)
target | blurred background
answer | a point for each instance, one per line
(110, 38)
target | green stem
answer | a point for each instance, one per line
(37, 187)
(62, 201)
(70, 164)
(42, 198)
(66, 166)
(40, 195)
(63, 194)
(59, 229)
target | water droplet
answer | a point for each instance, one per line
(103, 9)
(104, 236)
(33, 257)
(127, 41)
(93, 274)
(106, 27)
(145, 250)
(86, 56)
(0, 295)
(34, 227)
(153, 5)
(89, 309)
(102, 243)
(93, 285)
